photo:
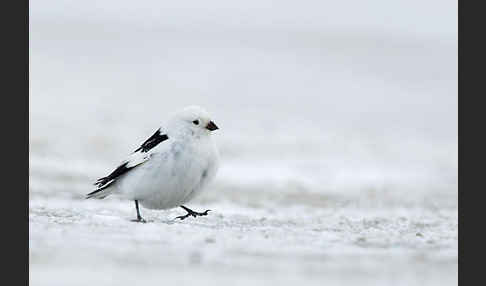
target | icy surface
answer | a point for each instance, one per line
(338, 140)
(343, 243)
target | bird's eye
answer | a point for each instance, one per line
(196, 122)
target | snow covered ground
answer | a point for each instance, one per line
(343, 243)
(338, 139)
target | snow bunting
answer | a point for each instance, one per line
(170, 168)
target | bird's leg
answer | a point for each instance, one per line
(139, 217)
(192, 213)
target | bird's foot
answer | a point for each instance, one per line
(191, 213)
(139, 219)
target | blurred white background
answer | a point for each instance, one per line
(317, 101)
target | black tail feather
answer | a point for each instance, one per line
(93, 193)
(101, 181)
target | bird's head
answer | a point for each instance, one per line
(194, 120)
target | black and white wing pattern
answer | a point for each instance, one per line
(139, 156)
(153, 141)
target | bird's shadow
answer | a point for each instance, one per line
(163, 221)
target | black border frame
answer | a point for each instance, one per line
(15, 127)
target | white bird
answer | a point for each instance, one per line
(170, 168)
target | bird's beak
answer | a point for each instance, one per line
(211, 126)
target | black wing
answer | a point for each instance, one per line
(153, 141)
(122, 169)
(134, 160)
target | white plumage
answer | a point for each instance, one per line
(170, 168)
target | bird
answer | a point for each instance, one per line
(170, 168)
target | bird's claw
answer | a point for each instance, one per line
(204, 213)
(182, 217)
(193, 214)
